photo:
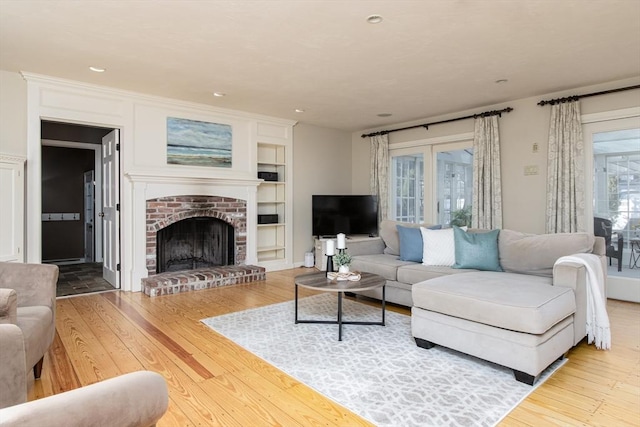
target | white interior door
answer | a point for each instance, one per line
(110, 207)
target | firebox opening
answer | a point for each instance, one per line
(192, 243)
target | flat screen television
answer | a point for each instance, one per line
(348, 214)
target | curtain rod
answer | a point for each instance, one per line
(426, 125)
(576, 97)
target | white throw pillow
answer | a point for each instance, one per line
(438, 247)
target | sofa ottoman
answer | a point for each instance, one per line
(515, 320)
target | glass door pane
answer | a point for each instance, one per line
(407, 178)
(616, 187)
(454, 188)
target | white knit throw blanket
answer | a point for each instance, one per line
(598, 328)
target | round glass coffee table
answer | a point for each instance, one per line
(319, 282)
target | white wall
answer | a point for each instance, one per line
(335, 162)
(523, 196)
(322, 157)
(142, 121)
(321, 165)
(13, 114)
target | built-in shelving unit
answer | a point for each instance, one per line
(274, 204)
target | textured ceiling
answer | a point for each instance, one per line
(426, 58)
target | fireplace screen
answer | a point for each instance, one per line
(195, 243)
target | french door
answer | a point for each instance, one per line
(432, 183)
(454, 183)
(612, 148)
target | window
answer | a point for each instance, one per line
(454, 187)
(407, 176)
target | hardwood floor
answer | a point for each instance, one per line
(214, 382)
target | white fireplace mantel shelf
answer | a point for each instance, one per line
(164, 177)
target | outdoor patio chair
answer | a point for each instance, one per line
(603, 227)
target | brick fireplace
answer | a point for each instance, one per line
(164, 211)
(161, 198)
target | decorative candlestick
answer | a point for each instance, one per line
(330, 248)
(330, 252)
(329, 265)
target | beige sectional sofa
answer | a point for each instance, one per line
(524, 317)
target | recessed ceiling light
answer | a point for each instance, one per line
(98, 69)
(299, 110)
(219, 94)
(374, 19)
(501, 81)
(384, 115)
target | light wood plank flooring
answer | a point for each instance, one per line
(214, 382)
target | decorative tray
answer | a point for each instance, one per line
(351, 276)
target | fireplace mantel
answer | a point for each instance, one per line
(167, 177)
(154, 183)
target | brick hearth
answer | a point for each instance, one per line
(204, 278)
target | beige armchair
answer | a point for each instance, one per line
(27, 327)
(27, 301)
(138, 399)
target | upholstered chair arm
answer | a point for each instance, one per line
(136, 399)
(8, 306)
(35, 284)
(13, 369)
(599, 246)
(574, 276)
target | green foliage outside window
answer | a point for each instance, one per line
(461, 217)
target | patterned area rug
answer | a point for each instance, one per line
(377, 372)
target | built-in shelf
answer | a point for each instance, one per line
(274, 198)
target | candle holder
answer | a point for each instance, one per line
(329, 265)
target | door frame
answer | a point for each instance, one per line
(34, 190)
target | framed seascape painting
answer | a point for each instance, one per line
(196, 143)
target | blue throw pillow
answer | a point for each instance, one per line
(477, 250)
(411, 242)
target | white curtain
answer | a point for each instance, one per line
(486, 209)
(565, 170)
(379, 182)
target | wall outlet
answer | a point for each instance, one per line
(531, 170)
(535, 147)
